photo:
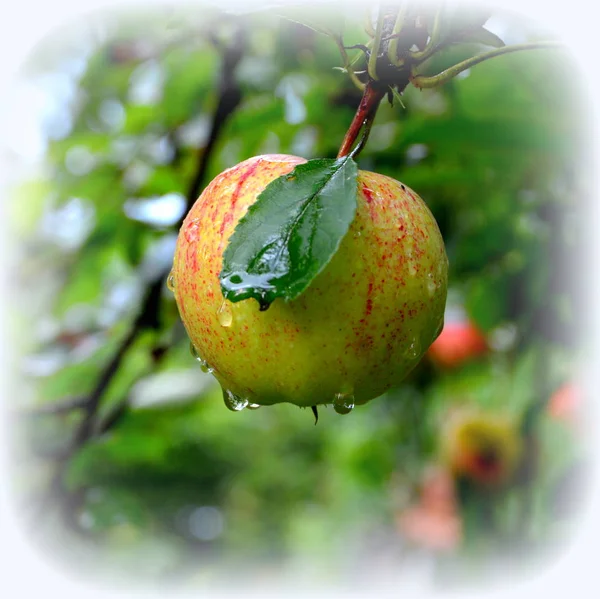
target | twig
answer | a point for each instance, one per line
(84, 431)
(63, 406)
(422, 82)
(230, 95)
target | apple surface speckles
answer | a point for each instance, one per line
(362, 324)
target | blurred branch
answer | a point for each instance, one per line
(229, 97)
(63, 406)
(84, 430)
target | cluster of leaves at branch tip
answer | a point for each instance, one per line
(291, 232)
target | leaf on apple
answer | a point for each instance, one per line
(291, 232)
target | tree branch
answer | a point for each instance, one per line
(149, 315)
(63, 406)
(230, 95)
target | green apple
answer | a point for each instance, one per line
(362, 324)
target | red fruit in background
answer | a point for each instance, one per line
(565, 402)
(484, 447)
(458, 343)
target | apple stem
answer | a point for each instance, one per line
(367, 124)
(365, 114)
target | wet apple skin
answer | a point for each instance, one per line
(363, 323)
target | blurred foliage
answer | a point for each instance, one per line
(500, 157)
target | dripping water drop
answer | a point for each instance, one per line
(203, 363)
(234, 402)
(343, 403)
(204, 367)
(171, 282)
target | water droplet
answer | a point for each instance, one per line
(203, 363)
(171, 282)
(224, 314)
(204, 367)
(414, 348)
(431, 285)
(343, 403)
(234, 402)
(253, 406)
(192, 230)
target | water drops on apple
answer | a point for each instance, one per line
(204, 366)
(171, 282)
(234, 402)
(414, 349)
(192, 230)
(343, 403)
(224, 314)
(431, 285)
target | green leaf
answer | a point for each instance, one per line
(139, 118)
(486, 301)
(483, 36)
(515, 133)
(397, 97)
(291, 232)
(164, 179)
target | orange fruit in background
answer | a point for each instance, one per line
(458, 343)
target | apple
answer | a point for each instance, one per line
(458, 343)
(362, 324)
(484, 447)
